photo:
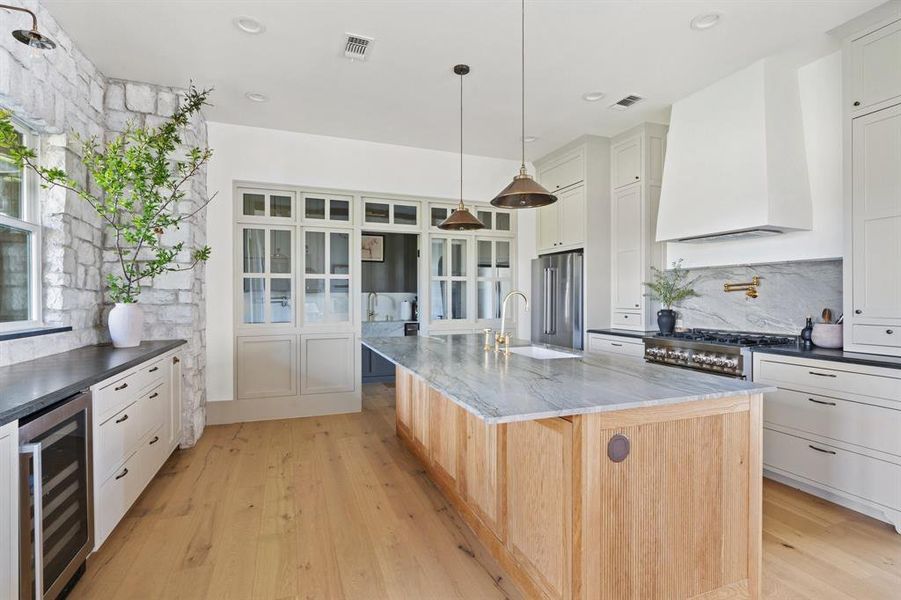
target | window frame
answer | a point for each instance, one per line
(31, 222)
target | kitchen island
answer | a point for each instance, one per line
(594, 476)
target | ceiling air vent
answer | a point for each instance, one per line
(626, 102)
(356, 46)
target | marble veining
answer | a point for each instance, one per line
(383, 328)
(789, 291)
(503, 389)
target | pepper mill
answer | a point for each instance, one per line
(806, 334)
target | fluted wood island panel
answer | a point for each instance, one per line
(679, 517)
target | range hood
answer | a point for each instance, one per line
(735, 163)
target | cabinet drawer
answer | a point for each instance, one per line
(627, 320)
(117, 494)
(155, 409)
(115, 396)
(868, 478)
(599, 343)
(153, 453)
(805, 377)
(852, 422)
(117, 439)
(876, 335)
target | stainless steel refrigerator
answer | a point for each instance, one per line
(557, 300)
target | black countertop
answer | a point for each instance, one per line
(837, 355)
(629, 333)
(27, 387)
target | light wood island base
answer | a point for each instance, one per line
(680, 517)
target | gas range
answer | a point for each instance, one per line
(722, 352)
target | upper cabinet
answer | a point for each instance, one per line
(563, 172)
(875, 68)
(396, 214)
(322, 208)
(873, 192)
(626, 163)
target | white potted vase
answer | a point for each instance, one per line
(126, 324)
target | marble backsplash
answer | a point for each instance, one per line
(788, 292)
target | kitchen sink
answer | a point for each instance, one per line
(541, 353)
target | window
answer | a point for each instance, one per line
(326, 276)
(448, 274)
(335, 209)
(494, 275)
(261, 205)
(20, 243)
(377, 211)
(267, 275)
(495, 220)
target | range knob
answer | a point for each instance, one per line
(719, 361)
(730, 363)
(707, 359)
(698, 358)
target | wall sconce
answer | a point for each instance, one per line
(749, 288)
(31, 37)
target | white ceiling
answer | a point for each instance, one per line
(406, 93)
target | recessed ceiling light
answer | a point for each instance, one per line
(705, 21)
(593, 96)
(249, 25)
(529, 139)
(256, 97)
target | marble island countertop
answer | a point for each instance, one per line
(504, 389)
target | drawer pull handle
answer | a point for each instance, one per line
(153, 369)
(122, 418)
(890, 331)
(122, 474)
(155, 439)
(175, 360)
(821, 402)
(822, 374)
(812, 447)
(615, 344)
(119, 388)
(153, 395)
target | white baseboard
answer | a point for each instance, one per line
(874, 511)
(292, 407)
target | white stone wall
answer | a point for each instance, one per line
(61, 92)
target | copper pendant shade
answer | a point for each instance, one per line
(523, 191)
(31, 37)
(461, 219)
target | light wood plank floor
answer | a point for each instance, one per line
(334, 507)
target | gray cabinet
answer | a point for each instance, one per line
(375, 368)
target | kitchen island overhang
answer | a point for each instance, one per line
(575, 490)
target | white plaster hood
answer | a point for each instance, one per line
(735, 162)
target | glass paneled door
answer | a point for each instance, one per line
(494, 274)
(326, 276)
(448, 273)
(267, 275)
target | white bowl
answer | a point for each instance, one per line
(827, 335)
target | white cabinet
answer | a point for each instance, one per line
(832, 430)
(563, 172)
(626, 162)
(875, 68)
(267, 366)
(328, 363)
(561, 225)
(615, 344)
(636, 172)
(134, 429)
(873, 191)
(9, 510)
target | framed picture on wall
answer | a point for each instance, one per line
(373, 248)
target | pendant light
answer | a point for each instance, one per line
(31, 37)
(523, 191)
(461, 219)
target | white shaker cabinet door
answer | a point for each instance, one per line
(626, 234)
(626, 163)
(876, 202)
(328, 363)
(876, 68)
(9, 510)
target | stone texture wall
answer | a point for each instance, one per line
(61, 92)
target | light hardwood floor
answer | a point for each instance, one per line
(334, 507)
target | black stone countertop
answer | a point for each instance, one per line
(27, 387)
(837, 355)
(625, 332)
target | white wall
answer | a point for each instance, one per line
(288, 158)
(821, 105)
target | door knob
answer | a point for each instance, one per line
(857, 103)
(858, 311)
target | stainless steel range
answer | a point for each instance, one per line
(722, 352)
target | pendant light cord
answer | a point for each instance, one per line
(461, 140)
(523, 35)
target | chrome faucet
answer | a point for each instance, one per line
(503, 338)
(370, 303)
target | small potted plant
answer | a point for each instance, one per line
(669, 288)
(141, 175)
